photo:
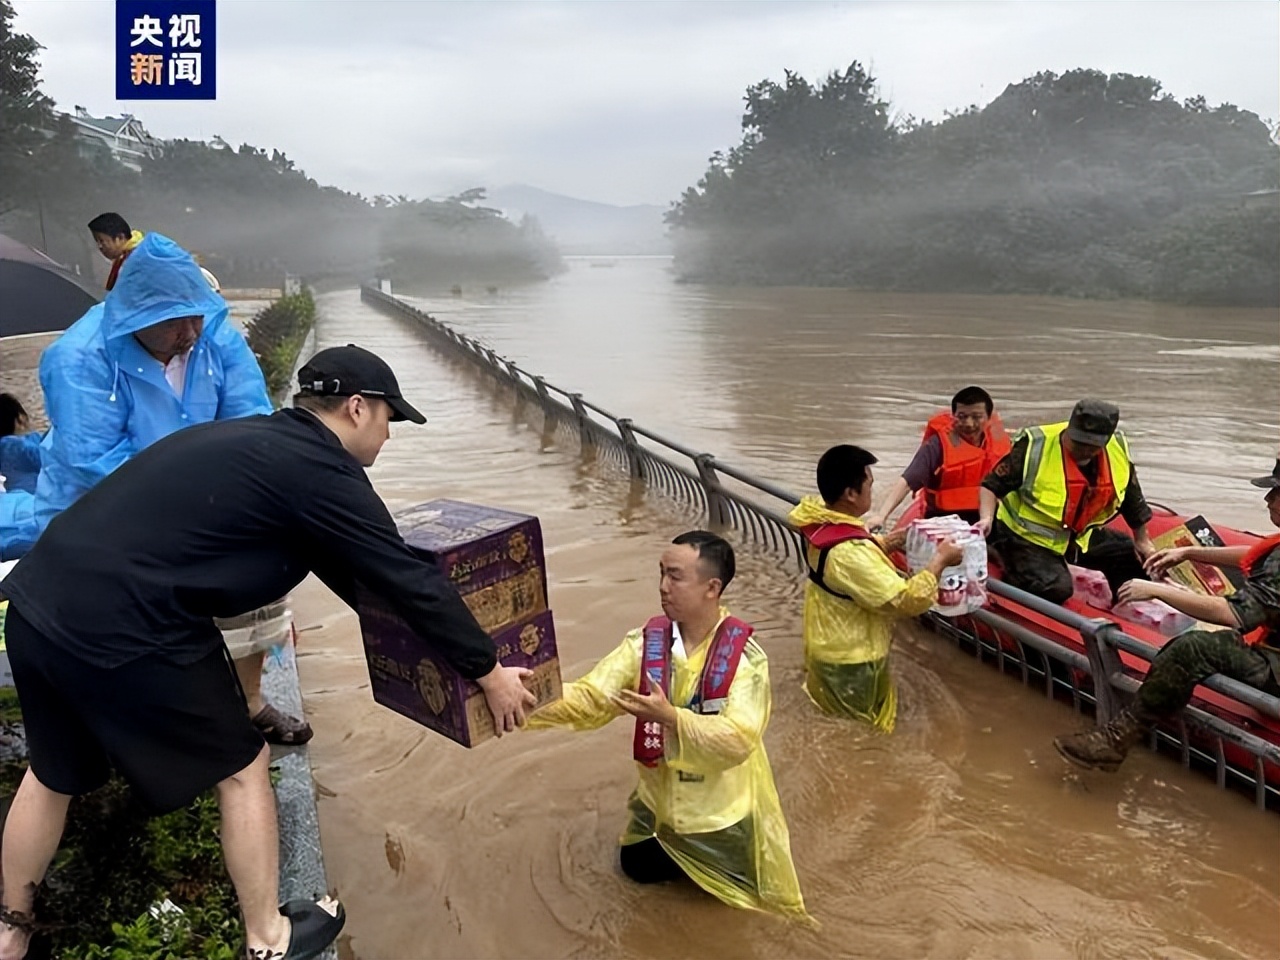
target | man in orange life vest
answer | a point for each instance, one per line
(1048, 502)
(1246, 649)
(958, 449)
(697, 685)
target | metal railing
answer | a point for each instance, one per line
(690, 476)
(697, 479)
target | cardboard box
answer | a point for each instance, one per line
(495, 559)
(1202, 578)
(416, 683)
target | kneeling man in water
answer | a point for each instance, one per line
(698, 687)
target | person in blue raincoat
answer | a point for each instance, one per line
(158, 354)
(19, 448)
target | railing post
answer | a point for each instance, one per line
(540, 385)
(717, 509)
(1104, 663)
(580, 413)
(635, 466)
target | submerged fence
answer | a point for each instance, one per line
(732, 498)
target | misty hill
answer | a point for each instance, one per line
(1080, 184)
(584, 226)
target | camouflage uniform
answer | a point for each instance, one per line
(1190, 657)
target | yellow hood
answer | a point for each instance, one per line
(813, 510)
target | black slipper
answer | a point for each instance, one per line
(314, 928)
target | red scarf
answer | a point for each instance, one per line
(649, 743)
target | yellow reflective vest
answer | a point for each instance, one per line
(1036, 511)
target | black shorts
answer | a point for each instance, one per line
(171, 731)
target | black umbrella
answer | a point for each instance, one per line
(38, 295)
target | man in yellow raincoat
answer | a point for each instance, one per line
(698, 687)
(855, 592)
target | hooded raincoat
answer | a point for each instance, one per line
(711, 802)
(107, 398)
(846, 641)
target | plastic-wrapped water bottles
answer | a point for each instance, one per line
(1155, 615)
(961, 588)
(1091, 587)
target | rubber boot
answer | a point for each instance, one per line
(1105, 747)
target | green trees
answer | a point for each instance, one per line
(250, 213)
(1080, 184)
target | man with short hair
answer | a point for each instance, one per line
(698, 687)
(115, 240)
(855, 592)
(1246, 648)
(116, 658)
(1047, 504)
(957, 451)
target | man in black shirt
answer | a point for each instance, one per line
(1047, 503)
(114, 651)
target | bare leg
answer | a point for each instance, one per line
(249, 670)
(31, 836)
(250, 843)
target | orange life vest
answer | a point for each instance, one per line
(1085, 501)
(1259, 550)
(964, 465)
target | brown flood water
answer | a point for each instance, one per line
(962, 834)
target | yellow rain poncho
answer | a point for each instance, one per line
(715, 776)
(846, 642)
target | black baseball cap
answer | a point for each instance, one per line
(1093, 422)
(350, 371)
(1270, 482)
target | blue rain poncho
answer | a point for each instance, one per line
(107, 398)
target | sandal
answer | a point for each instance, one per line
(279, 728)
(311, 929)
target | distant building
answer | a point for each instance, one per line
(125, 138)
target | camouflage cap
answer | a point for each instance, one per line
(1093, 422)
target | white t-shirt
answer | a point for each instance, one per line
(175, 371)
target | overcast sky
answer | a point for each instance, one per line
(615, 101)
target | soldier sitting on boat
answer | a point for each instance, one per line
(958, 450)
(1047, 504)
(1246, 649)
(698, 686)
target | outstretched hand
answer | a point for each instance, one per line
(507, 697)
(1160, 562)
(653, 706)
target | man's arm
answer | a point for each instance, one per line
(1160, 562)
(1137, 514)
(1004, 478)
(589, 702)
(1209, 609)
(89, 416)
(342, 520)
(244, 389)
(925, 463)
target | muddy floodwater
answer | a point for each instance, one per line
(960, 835)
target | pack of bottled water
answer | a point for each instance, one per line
(962, 588)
